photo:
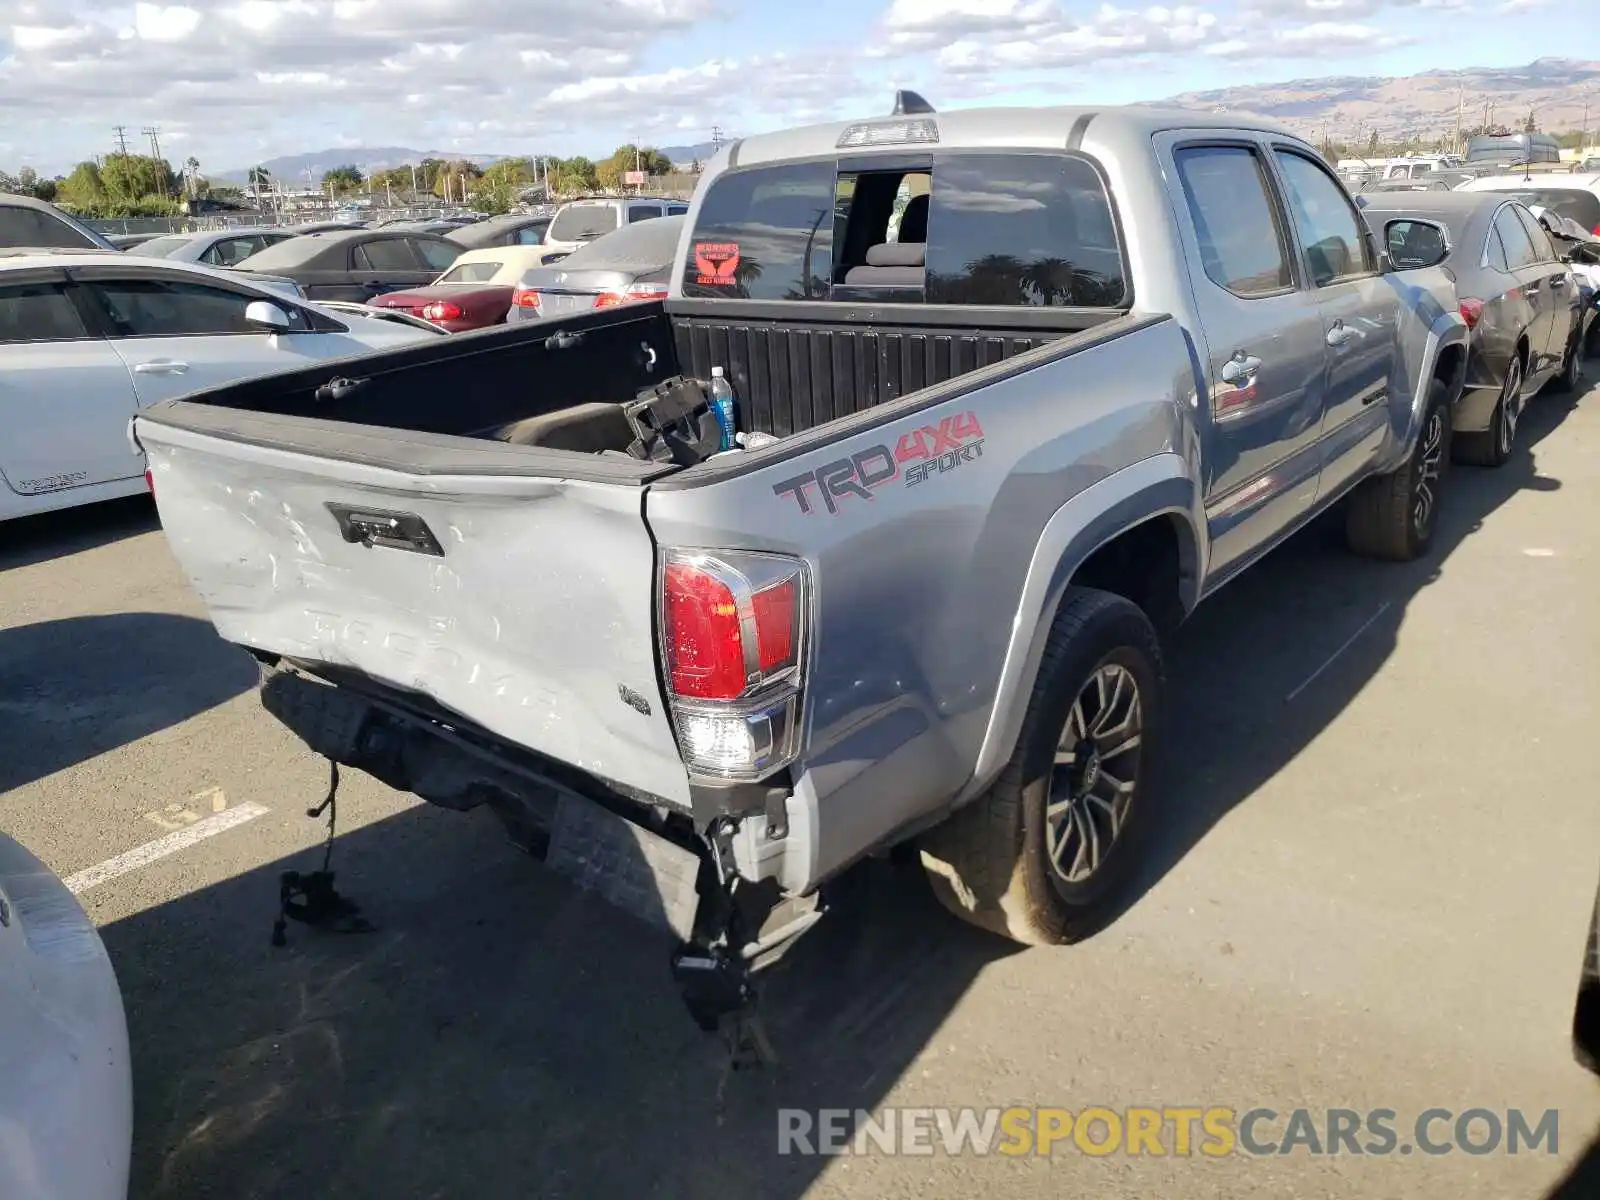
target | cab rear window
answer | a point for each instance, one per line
(994, 229)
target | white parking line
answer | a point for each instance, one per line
(1332, 658)
(143, 856)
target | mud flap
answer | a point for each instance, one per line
(632, 868)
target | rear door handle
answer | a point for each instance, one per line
(1534, 289)
(1560, 281)
(1340, 334)
(160, 366)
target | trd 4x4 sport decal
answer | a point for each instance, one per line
(918, 456)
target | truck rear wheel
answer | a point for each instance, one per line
(1393, 516)
(1044, 854)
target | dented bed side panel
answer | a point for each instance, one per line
(534, 618)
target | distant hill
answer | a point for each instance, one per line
(367, 158)
(381, 158)
(1422, 105)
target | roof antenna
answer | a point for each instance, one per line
(908, 103)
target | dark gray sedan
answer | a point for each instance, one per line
(1518, 297)
(356, 264)
(630, 265)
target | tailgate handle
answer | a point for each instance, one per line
(562, 339)
(396, 530)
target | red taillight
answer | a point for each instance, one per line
(775, 612)
(1471, 312)
(441, 310)
(704, 638)
(733, 630)
(636, 293)
(709, 608)
(150, 482)
(525, 298)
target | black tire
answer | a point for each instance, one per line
(1492, 448)
(1393, 516)
(1591, 341)
(1586, 1017)
(990, 863)
(1571, 376)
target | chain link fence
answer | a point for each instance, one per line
(676, 186)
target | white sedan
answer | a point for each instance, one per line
(66, 1094)
(86, 340)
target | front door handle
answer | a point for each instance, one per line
(1241, 368)
(160, 366)
(1340, 333)
(1560, 281)
(1534, 289)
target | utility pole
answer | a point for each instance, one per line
(716, 138)
(1461, 98)
(151, 132)
(122, 138)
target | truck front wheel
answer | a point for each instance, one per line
(1044, 856)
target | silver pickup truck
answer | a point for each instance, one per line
(1036, 382)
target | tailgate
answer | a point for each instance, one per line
(522, 601)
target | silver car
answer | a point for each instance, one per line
(633, 264)
(216, 248)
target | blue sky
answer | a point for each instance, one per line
(236, 81)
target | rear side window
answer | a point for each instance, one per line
(385, 254)
(177, 308)
(1543, 249)
(38, 312)
(1513, 239)
(1242, 245)
(643, 212)
(438, 255)
(764, 234)
(1029, 230)
(21, 226)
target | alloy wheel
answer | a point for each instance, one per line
(1430, 461)
(1510, 408)
(1096, 773)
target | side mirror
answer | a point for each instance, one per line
(1414, 244)
(265, 315)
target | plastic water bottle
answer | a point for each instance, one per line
(722, 406)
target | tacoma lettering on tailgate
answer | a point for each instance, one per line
(917, 457)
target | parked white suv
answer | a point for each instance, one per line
(578, 222)
(88, 339)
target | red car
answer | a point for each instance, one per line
(474, 293)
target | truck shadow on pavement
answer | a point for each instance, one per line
(30, 540)
(77, 687)
(502, 1035)
(1271, 661)
(499, 1035)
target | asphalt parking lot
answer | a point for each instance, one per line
(1371, 892)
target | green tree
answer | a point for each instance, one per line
(128, 177)
(455, 177)
(497, 190)
(258, 179)
(343, 179)
(83, 189)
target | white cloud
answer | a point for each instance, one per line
(158, 23)
(47, 37)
